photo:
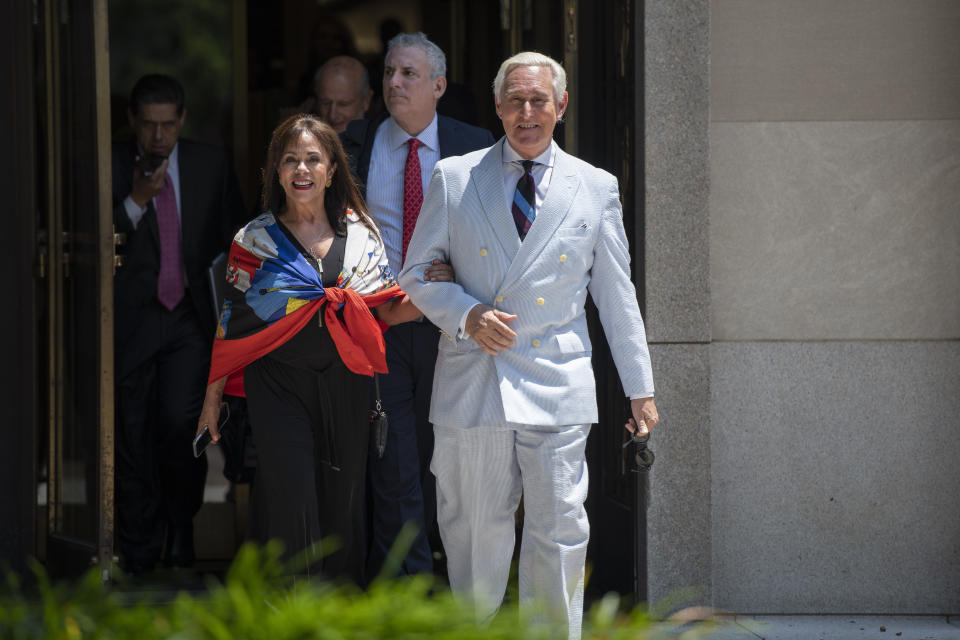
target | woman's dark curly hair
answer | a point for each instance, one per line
(343, 194)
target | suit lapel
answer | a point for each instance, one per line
(188, 221)
(149, 219)
(488, 179)
(446, 135)
(564, 183)
(450, 139)
(366, 149)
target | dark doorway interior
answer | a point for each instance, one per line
(257, 59)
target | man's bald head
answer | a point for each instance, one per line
(343, 92)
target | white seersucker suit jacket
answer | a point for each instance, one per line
(577, 244)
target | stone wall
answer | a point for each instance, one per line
(835, 300)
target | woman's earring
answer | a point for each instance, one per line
(329, 182)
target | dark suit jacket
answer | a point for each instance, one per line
(212, 210)
(456, 138)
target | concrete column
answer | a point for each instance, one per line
(673, 68)
(835, 285)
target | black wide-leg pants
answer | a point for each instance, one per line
(311, 432)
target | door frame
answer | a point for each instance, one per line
(107, 263)
(18, 328)
(86, 24)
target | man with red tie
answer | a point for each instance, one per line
(394, 158)
(178, 204)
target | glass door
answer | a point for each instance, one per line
(75, 238)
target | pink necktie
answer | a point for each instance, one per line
(170, 280)
(412, 194)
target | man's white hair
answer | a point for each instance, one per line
(531, 59)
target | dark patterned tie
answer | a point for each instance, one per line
(170, 280)
(524, 200)
(412, 194)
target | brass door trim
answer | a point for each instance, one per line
(55, 267)
(106, 256)
(571, 14)
(515, 17)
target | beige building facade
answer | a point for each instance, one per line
(802, 270)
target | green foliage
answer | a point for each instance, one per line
(260, 600)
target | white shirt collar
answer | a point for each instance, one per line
(397, 137)
(546, 158)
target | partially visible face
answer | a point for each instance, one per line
(528, 110)
(408, 91)
(339, 98)
(157, 127)
(304, 170)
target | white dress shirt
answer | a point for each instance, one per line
(388, 159)
(135, 211)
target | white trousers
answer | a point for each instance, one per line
(481, 474)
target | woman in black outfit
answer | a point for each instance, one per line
(298, 337)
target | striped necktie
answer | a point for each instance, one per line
(524, 200)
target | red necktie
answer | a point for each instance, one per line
(412, 194)
(170, 280)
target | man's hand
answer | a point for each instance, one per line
(146, 187)
(645, 416)
(439, 271)
(487, 326)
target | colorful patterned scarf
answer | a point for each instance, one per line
(273, 292)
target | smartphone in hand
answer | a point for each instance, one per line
(150, 162)
(202, 441)
(204, 438)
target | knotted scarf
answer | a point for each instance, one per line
(273, 291)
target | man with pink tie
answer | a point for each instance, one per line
(178, 203)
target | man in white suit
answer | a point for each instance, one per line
(530, 231)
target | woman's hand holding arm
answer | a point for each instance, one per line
(210, 414)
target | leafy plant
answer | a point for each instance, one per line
(259, 599)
